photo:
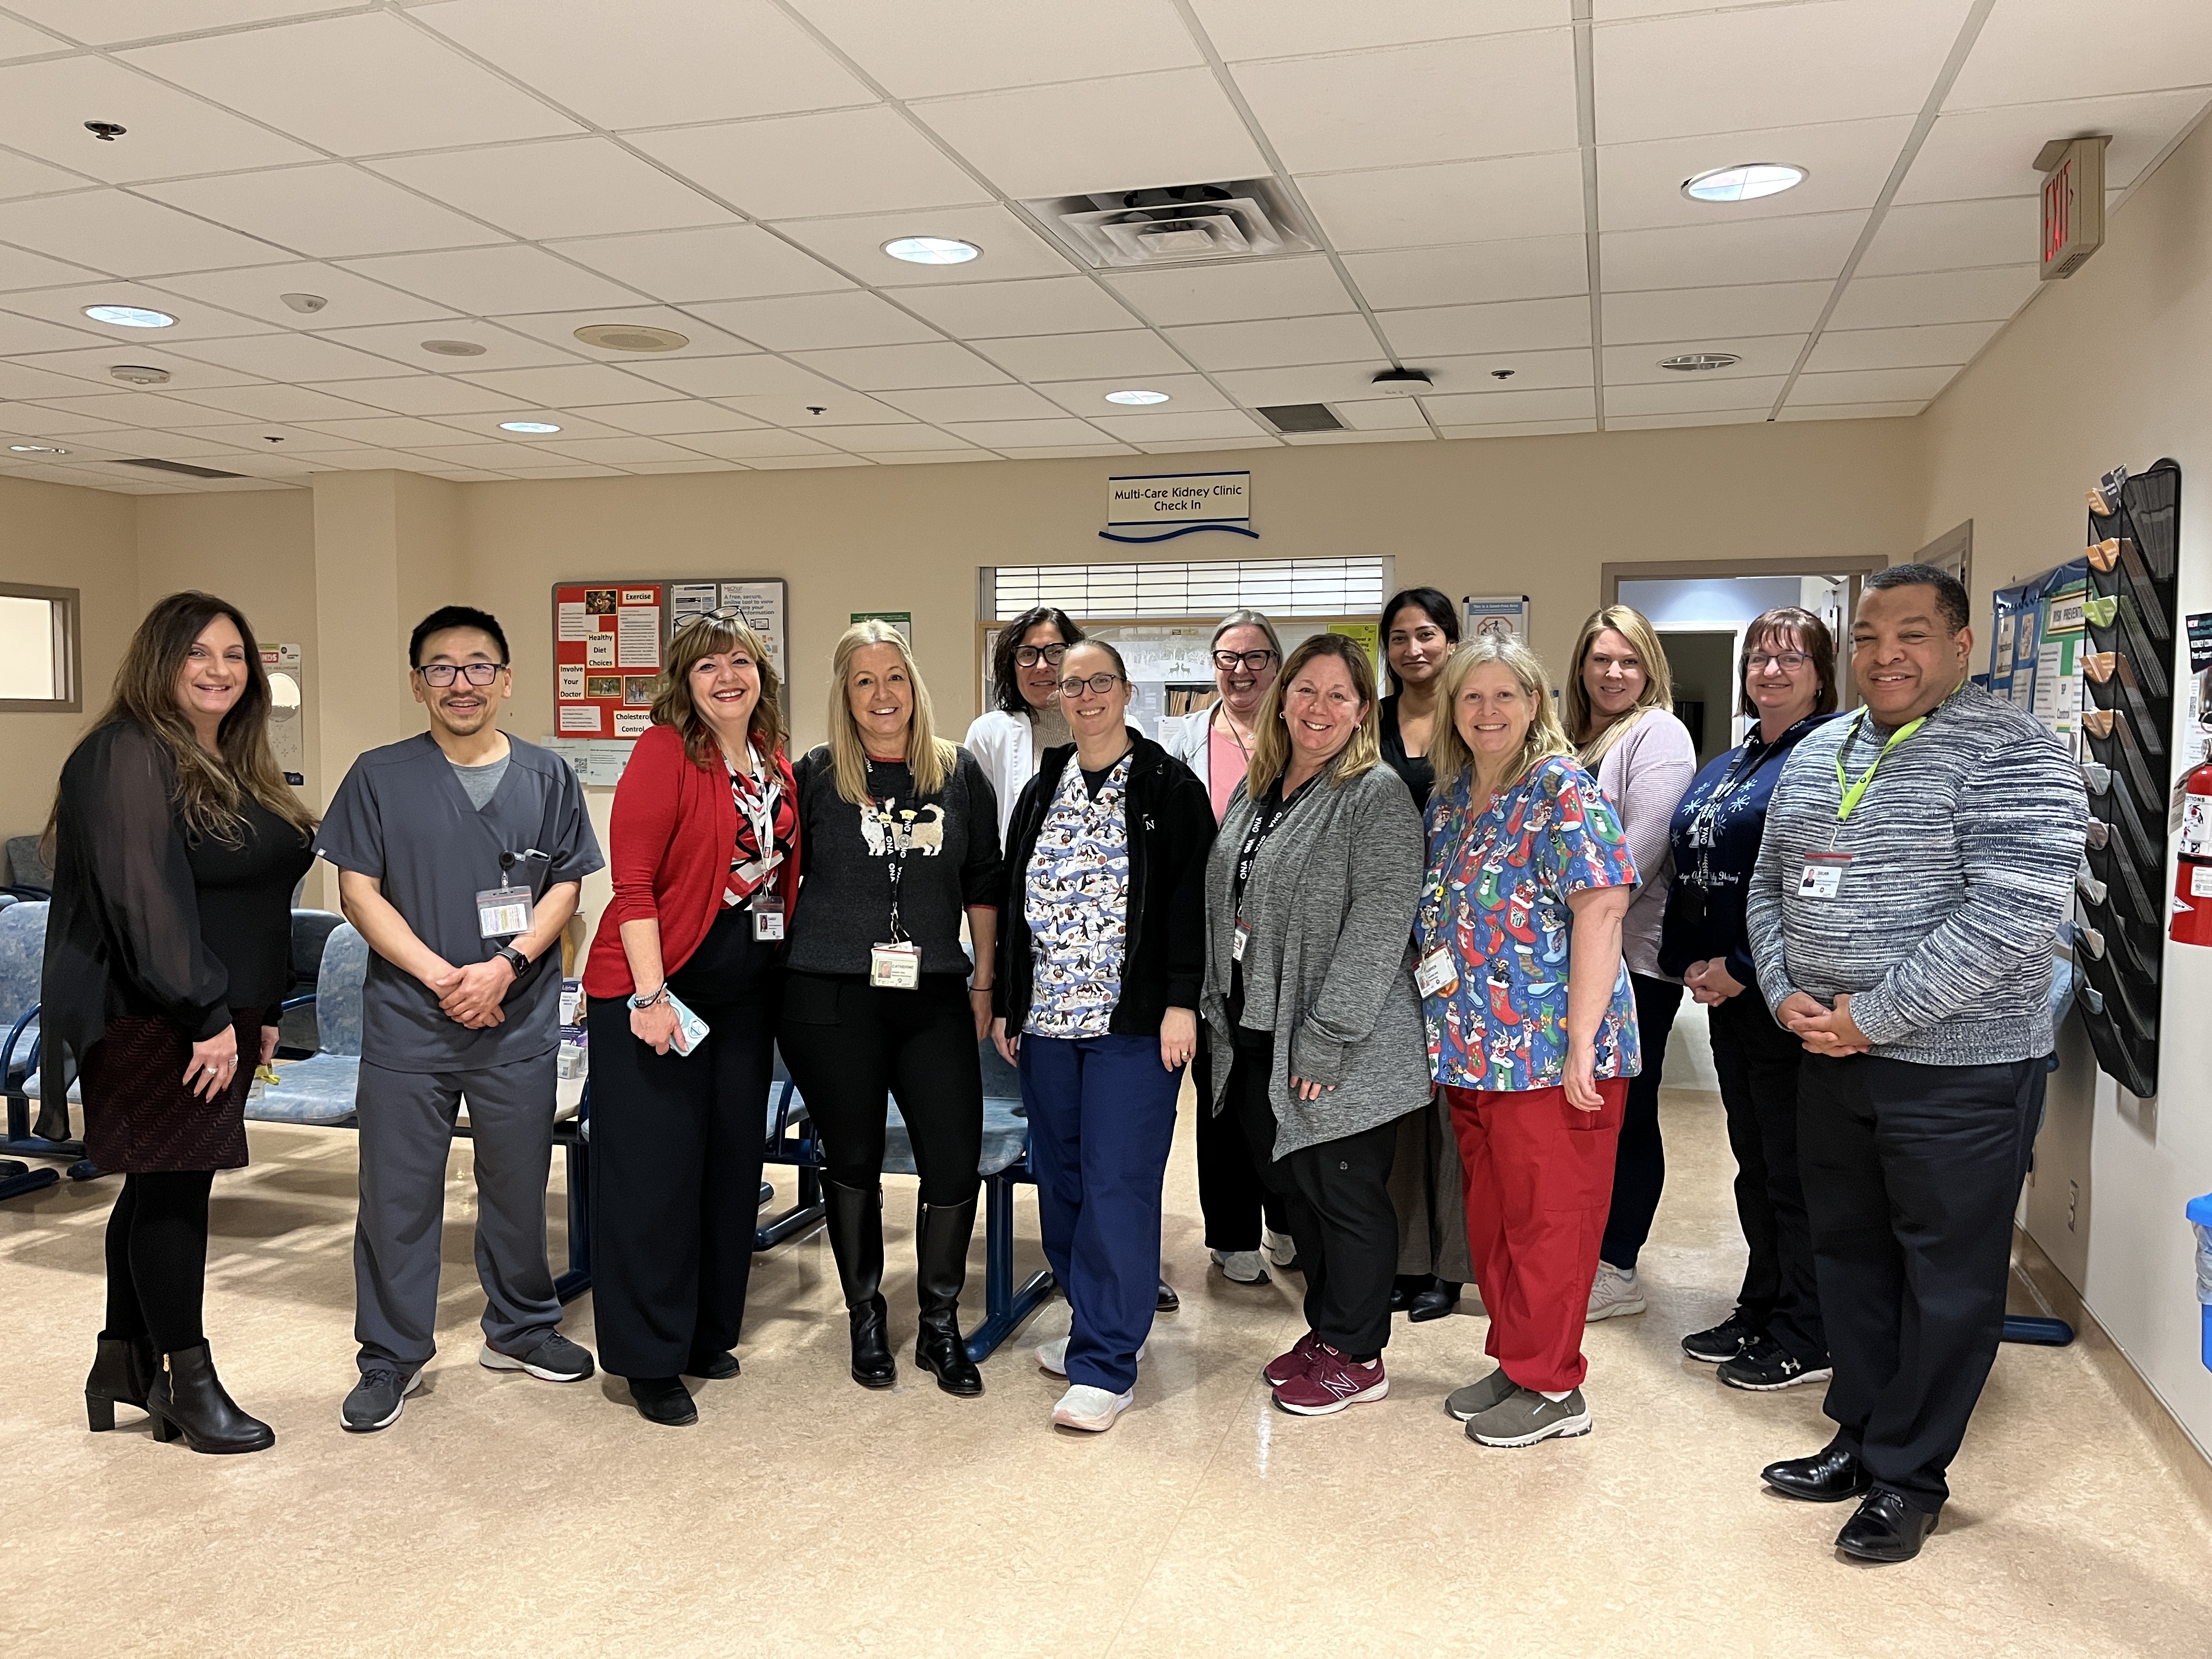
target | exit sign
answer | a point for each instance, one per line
(2073, 203)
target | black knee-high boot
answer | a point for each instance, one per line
(941, 1248)
(856, 1239)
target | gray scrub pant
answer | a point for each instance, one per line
(406, 1131)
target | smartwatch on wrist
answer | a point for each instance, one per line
(514, 959)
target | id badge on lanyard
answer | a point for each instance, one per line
(768, 916)
(1823, 875)
(505, 912)
(895, 963)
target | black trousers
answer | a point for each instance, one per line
(1639, 1168)
(1231, 1194)
(1336, 1197)
(1912, 1175)
(1758, 1063)
(676, 1160)
(848, 1044)
(157, 1236)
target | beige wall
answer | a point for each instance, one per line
(2110, 366)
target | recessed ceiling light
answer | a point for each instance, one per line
(631, 336)
(130, 316)
(1136, 396)
(35, 449)
(453, 348)
(528, 426)
(1696, 362)
(931, 250)
(1746, 182)
(139, 374)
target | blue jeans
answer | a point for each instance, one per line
(1102, 1117)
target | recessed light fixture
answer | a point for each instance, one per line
(1137, 396)
(1745, 182)
(35, 449)
(139, 374)
(531, 427)
(631, 336)
(130, 316)
(1699, 362)
(932, 250)
(453, 348)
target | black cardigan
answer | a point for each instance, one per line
(1170, 819)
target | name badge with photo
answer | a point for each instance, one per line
(895, 967)
(1437, 976)
(1823, 875)
(768, 916)
(504, 912)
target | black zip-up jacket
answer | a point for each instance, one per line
(1171, 827)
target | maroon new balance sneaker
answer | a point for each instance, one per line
(1331, 1384)
(1285, 1366)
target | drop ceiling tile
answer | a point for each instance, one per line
(494, 457)
(812, 167)
(1991, 293)
(748, 446)
(162, 446)
(564, 187)
(1846, 164)
(1336, 383)
(1144, 430)
(913, 438)
(575, 386)
(384, 432)
(724, 262)
(255, 291)
(975, 403)
(488, 281)
(66, 306)
(1278, 343)
(1088, 398)
(1233, 293)
(1681, 313)
(1746, 68)
(138, 408)
(20, 334)
(818, 321)
(20, 269)
(1024, 435)
(43, 106)
(402, 344)
(932, 456)
(558, 329)
(1123, 133)
(21, 176)
(1533, 371)
(755, 375)
(1528, 268)
(1795, 411)
(2139, 45)
(1274, 28)
(1206, 446)
(1992, 152)
(822, 406)
(284, 403)
(1685, 394)
(901, 367)
(327, 212)
(1386, 435)
(19, 40)
(652, 63)
(1449, 410)
(574, 427)
(1932, 344)
(359, 85)
(1955, 235)
(34, 420)
(1763, 355)
(1010, 247)
(1700, 418)
(289, 357)
(927, 48)
(126, 235)
(678, 417)
(621, 451)
(1442, 100)
(577, 469)
(1042, 305)
(1062, 452)
(1382, 415)
(419, 394)
(1505, 325)
(1808, 249)
(185, 373)
(1516, 197)
(1133, 352)
(696, 464)
(111, 22)
(798, 463)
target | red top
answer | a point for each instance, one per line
(674, 826)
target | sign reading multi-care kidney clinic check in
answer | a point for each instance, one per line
(1159, 507)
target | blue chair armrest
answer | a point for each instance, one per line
(8, 1048)
(290, 1003)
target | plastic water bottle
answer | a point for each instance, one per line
(2200, 1216)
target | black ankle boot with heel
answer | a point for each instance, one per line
(121, 1373)
(188, 1398)
(855, 1215)
(941, 1252)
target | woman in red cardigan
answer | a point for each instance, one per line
(705, 860)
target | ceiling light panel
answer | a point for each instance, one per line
(857, 246)
(1990, 152)
(327, 212)
(810, 322)
(1188, 393)
(795, 167)
(65, 306)
(488, 281)
(1846, 164)
(932, 250)
(126, 235)
(733, 262)
(1518, 197)
(1282, 28)
(43, 107)
(572, 187)
(1746, 182)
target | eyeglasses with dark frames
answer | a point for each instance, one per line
(1028, 656)
(1788, 661)
(1097, 684)
(726, 614)
(1230, 661)
(441, 674)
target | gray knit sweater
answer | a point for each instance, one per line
(1330, 903)
(1963, 851)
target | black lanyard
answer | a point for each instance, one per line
(898, 830)
(1272, 811)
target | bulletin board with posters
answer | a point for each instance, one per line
(611, 641)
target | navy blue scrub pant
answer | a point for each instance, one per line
(1102, 1117)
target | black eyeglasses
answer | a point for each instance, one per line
(1788, 661)
(1097, 684)
(1230, 661)
(726, 614)
(1028, 656)
(441, 674)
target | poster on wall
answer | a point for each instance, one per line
(1506, 614)
(901, 620)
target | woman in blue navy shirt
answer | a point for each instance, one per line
(1774, 1339)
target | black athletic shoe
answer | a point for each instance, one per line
(1763, 1367)
(1723, 1342)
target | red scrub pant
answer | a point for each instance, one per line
(1538, 1173)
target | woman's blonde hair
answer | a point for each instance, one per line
(930, 757)
(1448, 752)
(1271, 749)
(707, 636)
(1658, 681)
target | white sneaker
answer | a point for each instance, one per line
(1095, 1409)
(1280, 1248)
(1614, 1292)
(1053, 1356)
(1240, 1266)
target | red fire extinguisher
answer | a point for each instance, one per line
(2192, 865)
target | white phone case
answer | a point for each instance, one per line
(690, 1029)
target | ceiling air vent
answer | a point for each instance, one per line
(1302, 417)
(1243, 219)
(190, 472)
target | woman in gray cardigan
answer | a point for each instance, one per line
(1309, 899)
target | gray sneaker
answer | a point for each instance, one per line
(378, 1398)
(554, 1359)
(1525, 1416)
(1477, 1398)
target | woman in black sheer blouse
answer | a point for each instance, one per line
(176, 845)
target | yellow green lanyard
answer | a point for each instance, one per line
(1854, 792)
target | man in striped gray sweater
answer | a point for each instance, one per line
(1918, 859)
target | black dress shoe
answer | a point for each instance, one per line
(1165, 1300)
(715, 1367)
(1885, 1528)
(664, 1401)
(1405, 1287)
(1435, 1303)
(1826, 1477)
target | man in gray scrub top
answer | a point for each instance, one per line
(461, 854)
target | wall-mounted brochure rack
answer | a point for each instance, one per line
(2127, 731)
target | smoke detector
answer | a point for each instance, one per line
(1405, 382)
(306, 303)
(1175, 224)
(453, 348)
(1700, 362)
(140, 374)
(631, 336)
